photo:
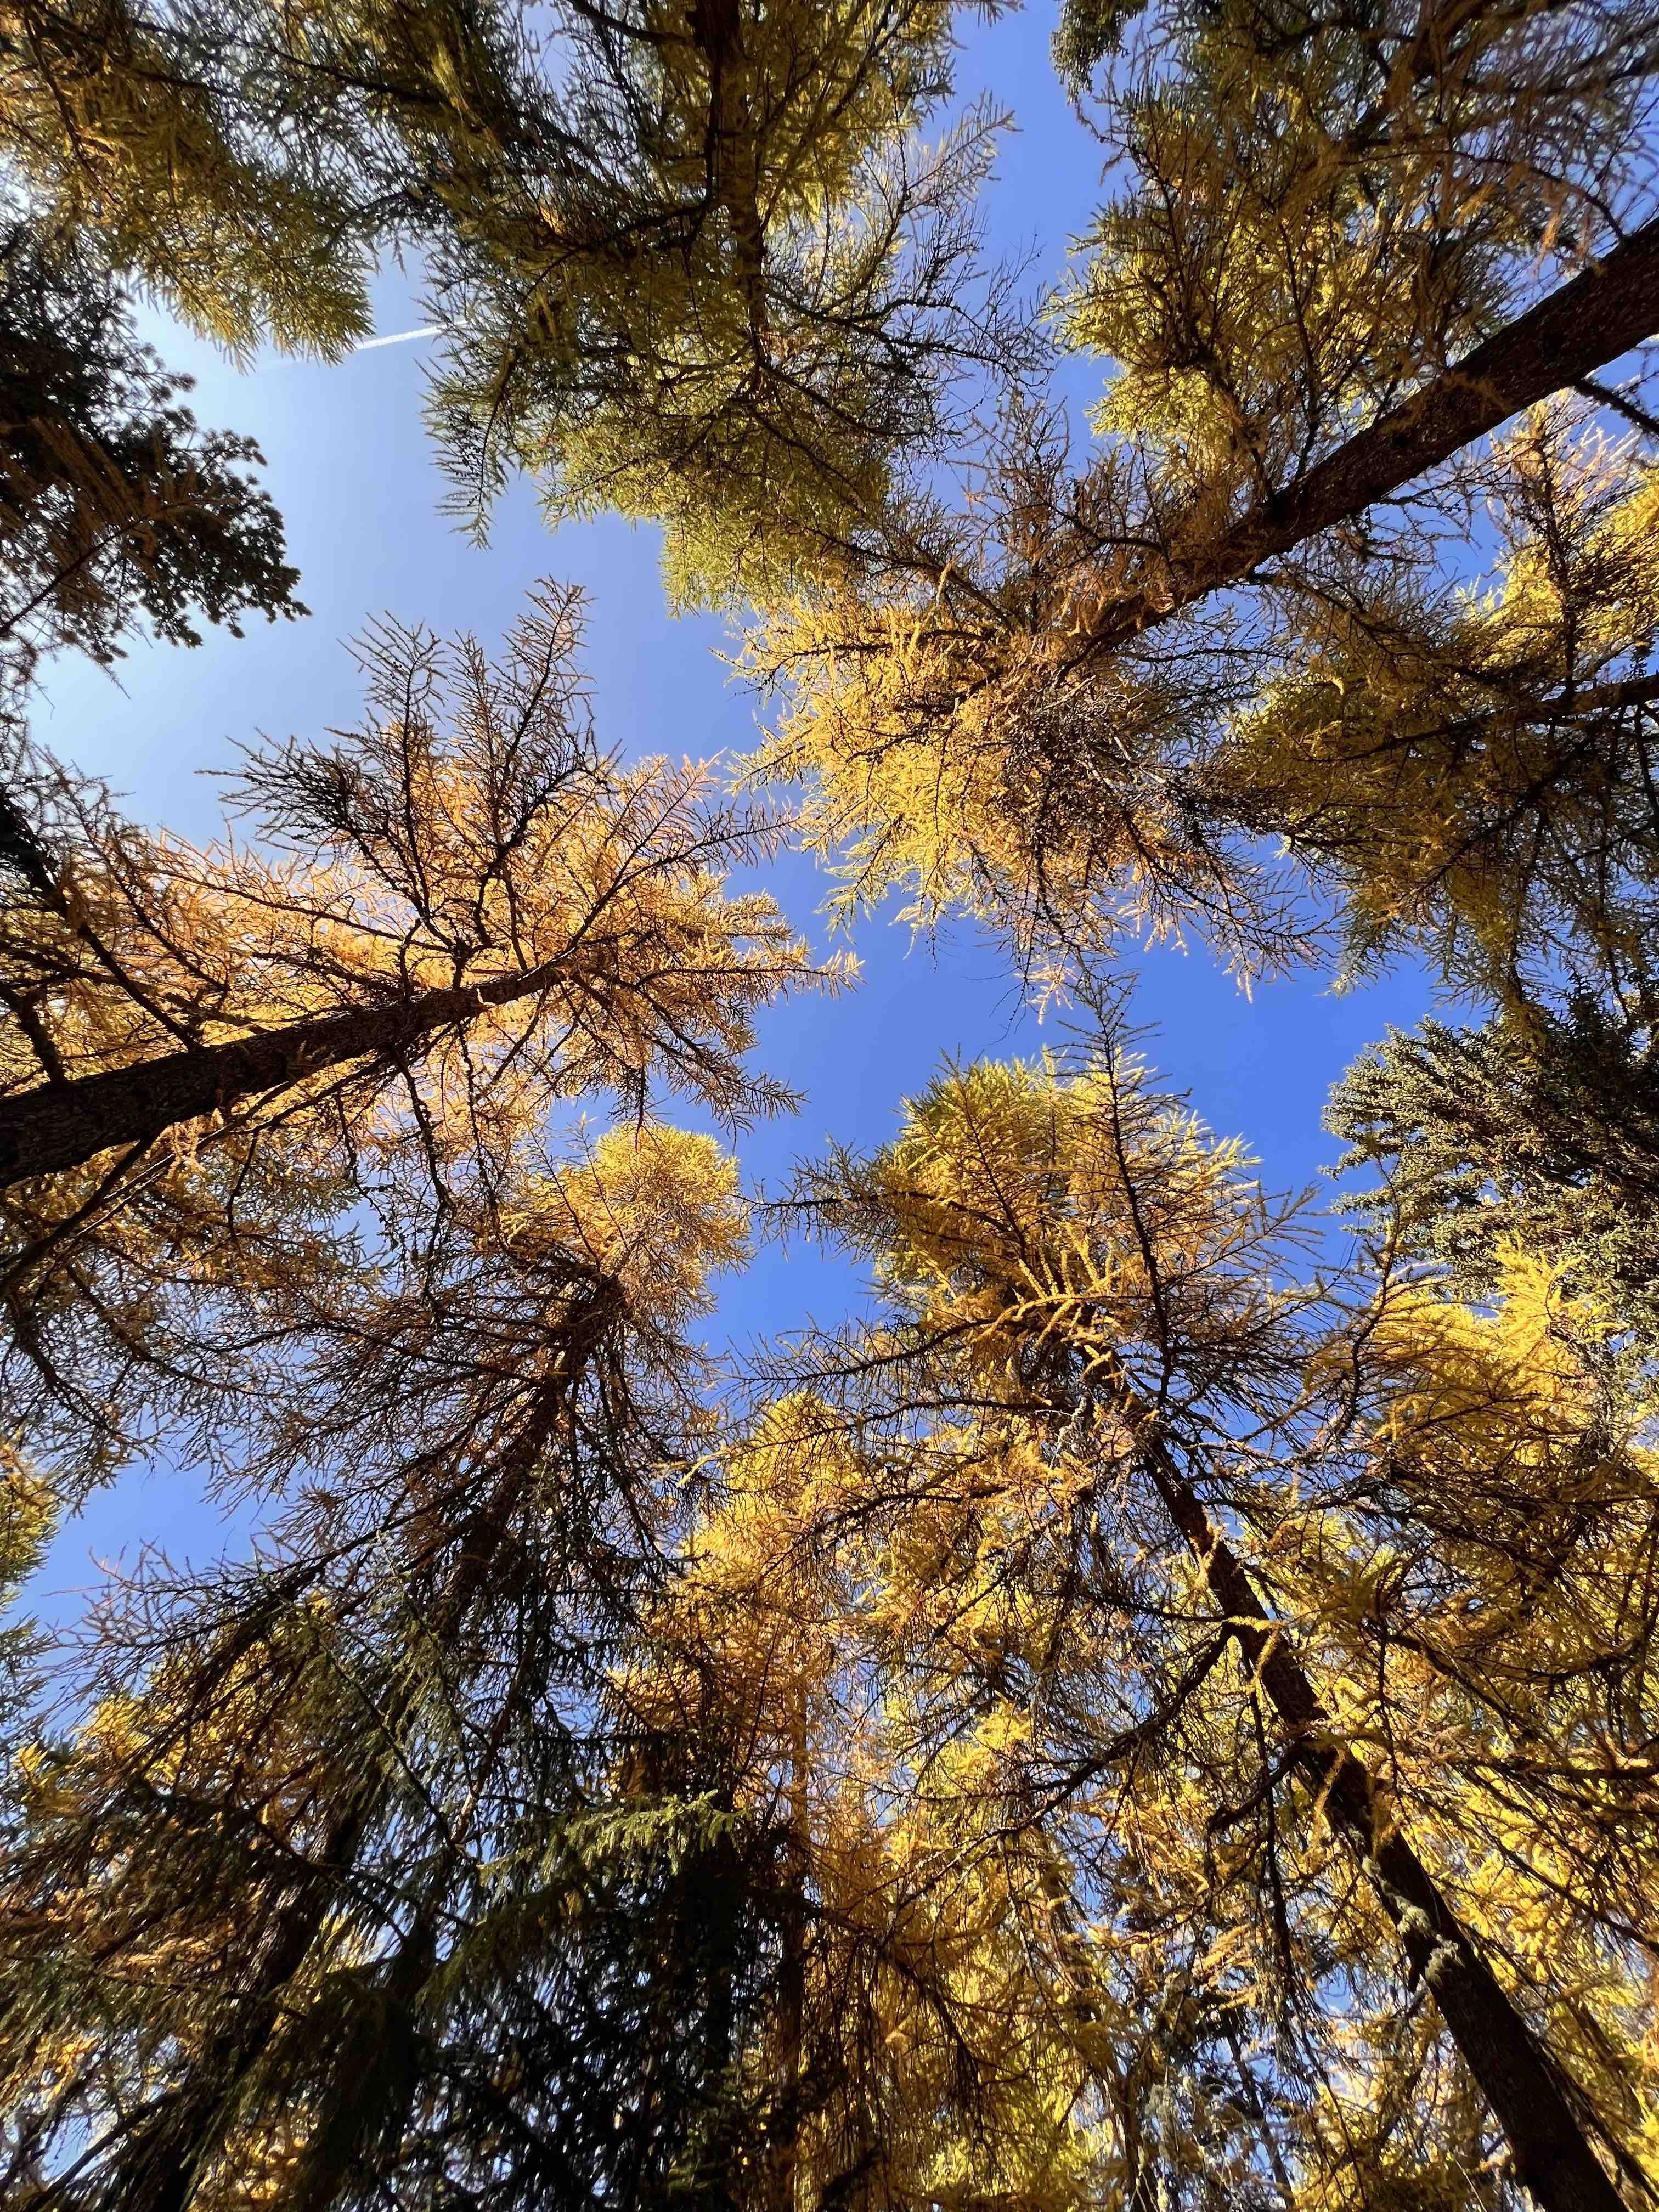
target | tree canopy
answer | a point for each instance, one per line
(1151, 1708)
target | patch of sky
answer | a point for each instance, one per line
(349, 465)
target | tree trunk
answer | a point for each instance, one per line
(56, 1125)
(792, 1970)
(163, 2175)
(1552, 2156)
(1601, 315)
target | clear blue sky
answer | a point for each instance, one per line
(348, 466)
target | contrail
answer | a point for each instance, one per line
(398, 338)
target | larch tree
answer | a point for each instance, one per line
(1345, 253)
(229, 161)
(920, 2043)
(1123, 1723)
(26, 1524)
(1106, 1438)
(358, 1877)
(462, 913)
(720, 281)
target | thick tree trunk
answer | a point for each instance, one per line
(56, 1125)
(1588, 323)
(1552, 2156)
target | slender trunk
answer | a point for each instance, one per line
(708, 1935)
(1251, 2097)
(56, 1125)
(1552, 2155)
(1601, 315)
(792, 1975)
(164, 2177)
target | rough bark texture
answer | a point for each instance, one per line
(1552, 2156)
(1580, 328)
(56, 1125)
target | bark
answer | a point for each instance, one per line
(791, 1976)
(1611, 306)
(1553, 2157)
(56, 1125)
(730, 156)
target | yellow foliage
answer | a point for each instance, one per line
(1475, 778)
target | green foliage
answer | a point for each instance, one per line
(1544, 1135)
(115, 510)
(1088, 31)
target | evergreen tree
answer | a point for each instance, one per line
(114, 509)
(1544, 1138)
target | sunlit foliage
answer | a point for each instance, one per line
(1098, 1447)
(459, 916)
(1151, 1713)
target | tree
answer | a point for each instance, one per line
(744, 313)
(1095, 1428)
(360, 1876)
(912, 2050)
(1486, 1139)
(1069, 705)
(1330, 218)
(25, 1520)
(696, 266)
(467, 915)
(230, 160)
(114, 509)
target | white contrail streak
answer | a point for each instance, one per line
(398, 338)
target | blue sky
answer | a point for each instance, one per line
(349, 465)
